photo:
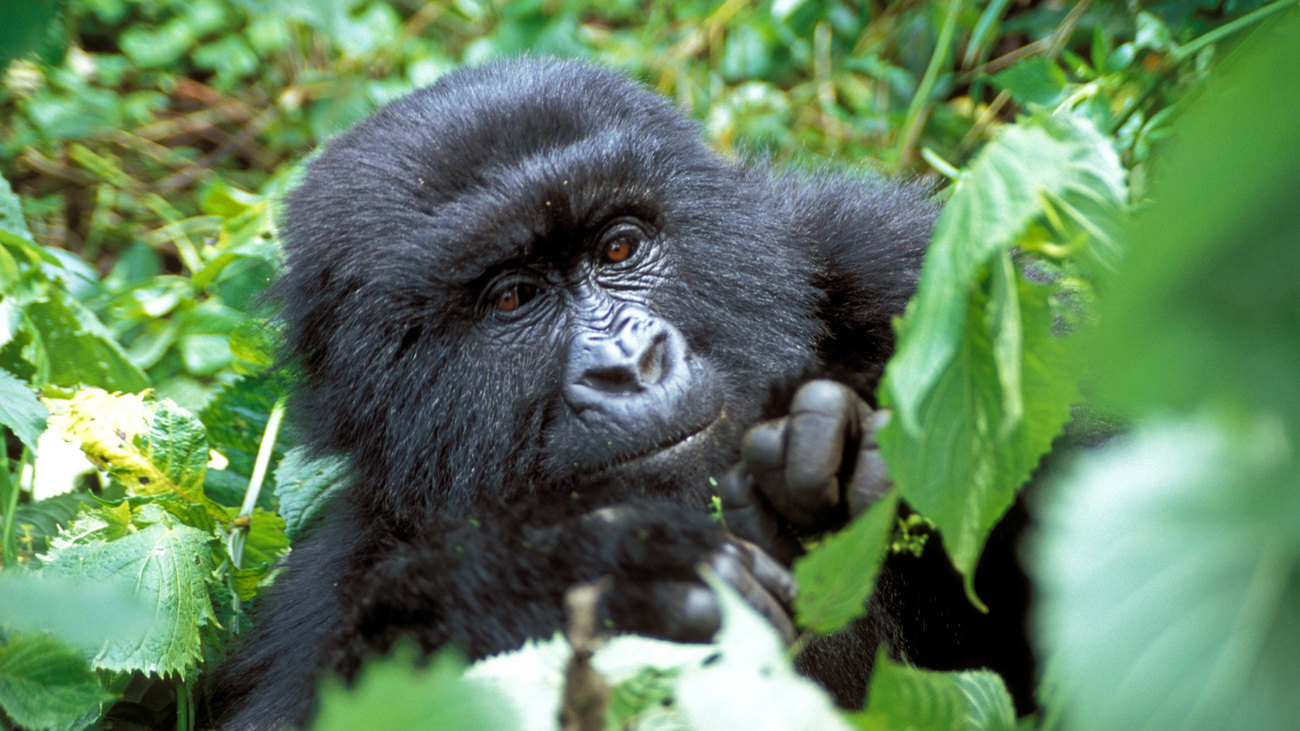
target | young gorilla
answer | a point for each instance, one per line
(539, 315)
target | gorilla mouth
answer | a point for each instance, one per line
(664, 447)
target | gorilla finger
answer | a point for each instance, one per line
(763, 448)
(870, 481)
(823, 421)
(870, 478)
(730, 566)
(744, 511)
(774, 577)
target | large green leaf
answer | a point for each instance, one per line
(978, 385)
(1208, 307)
(12, 221)
(168, 566)
(394, 693)
(44, 684)
(33, 602)
(1061, 157)
(904, 698)
(964, 471)
(1167, 582)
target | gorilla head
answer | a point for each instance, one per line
(534, 275)
(539, 315)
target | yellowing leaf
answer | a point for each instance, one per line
(151, 447)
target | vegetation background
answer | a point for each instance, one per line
(1140, 160)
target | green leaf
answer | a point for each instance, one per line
(150, 447)
(20, 410)
(395, 693)
(904, 698)
(836, 578)
(1167, 580)
(80, 349)
(305, 485)
(1035, 80)
(992, 205)
(11, 210)
(44, 684)
(978, 384)
(235, 421)
(168, 566)
(266, 540)
(46, 517)
(982, 443)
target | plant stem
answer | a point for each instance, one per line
(9, 500)
(919, 109)
(255, 482)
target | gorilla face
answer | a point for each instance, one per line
(549, 264)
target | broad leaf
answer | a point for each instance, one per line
(992, 205)
(34, 602)
(235, 421)
(1167, 581)
(395, 693)
(168, 566)
(80, 348)
(1207, 307)
(836, 578)
(964, 472)
(904, 698)
(12, 221)
(978, 385)
(44, 684)
(20, 410)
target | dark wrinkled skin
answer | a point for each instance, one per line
(540, 317)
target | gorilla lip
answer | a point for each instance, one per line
(666, 446)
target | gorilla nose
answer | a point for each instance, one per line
(635, 353)
(627, 365)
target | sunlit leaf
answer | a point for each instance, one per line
(150, 447)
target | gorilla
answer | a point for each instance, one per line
(547, 324)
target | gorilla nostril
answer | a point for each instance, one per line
(653, 365)
(612, 379)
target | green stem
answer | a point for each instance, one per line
(919, 109)
(255, 482)
(9, 498)
(1194, 47)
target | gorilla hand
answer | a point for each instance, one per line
(813, 469)
(660, 604)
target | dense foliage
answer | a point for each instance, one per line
(1121, 222)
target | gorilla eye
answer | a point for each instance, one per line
(619, 249)
(513, 297)
(620, 242)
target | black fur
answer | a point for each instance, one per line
(749, 282)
